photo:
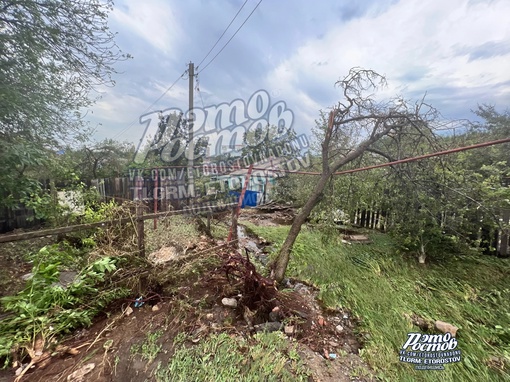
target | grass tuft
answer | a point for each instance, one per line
(383, 288)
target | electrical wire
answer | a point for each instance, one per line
(224, 46)
(407, 160)
(223, 34)
(151, 105)
(209, 63)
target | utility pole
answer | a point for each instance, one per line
(191, 118)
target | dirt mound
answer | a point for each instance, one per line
(117, 346)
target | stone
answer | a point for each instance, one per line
(155, 308)
(230, 302)
(275, 314)
(339, 328)
(321, 321)
(289, 329)
(268, 327)
(129, 311)
(209, 316)
(79, 375)
(446, 328)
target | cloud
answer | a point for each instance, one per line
(154, 21)
(457, 52)
(487, 50)
(416, 45)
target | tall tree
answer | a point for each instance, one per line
(53, 53)
(353, 127)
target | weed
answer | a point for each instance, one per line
(48, 308)
(149, 349)
(468, 291)
(221, 357)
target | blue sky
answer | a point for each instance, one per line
(456, 51)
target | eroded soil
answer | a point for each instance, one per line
(327, 343)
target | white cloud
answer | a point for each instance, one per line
(457, 51)
(414, 43)
(152, 20)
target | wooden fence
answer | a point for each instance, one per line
(138, 221)
(17, 217)
(498, 241)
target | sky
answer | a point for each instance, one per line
(456, 53)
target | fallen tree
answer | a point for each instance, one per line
(354, 126)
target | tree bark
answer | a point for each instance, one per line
(283, 257)
(358, 112)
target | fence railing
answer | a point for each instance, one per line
(138, 221)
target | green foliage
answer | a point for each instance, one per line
(171, 143)
(48, 306)
(16, 156)
(221, 357)
(467, 291)
(149, 348)
(54, 53)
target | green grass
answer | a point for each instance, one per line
(149, 349)
(227, 358)
(381, 287)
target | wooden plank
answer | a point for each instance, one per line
(55, 231)
(240, 203)
(73, 228)
(187, 211)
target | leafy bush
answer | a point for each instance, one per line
(47, 307)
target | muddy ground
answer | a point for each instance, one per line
(104, 352)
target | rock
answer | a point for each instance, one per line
(263, 259)
(347, 348)
(248, 316)
(20, 369)
(129, 311)
(155, 308)
(289, 329)
(301, 314)
(230, 302)
(339, 328)
(321, 321)
(166, 254)
(446, 327)
(79, 375)
(209, 316)
(268, 327)
(275, 314)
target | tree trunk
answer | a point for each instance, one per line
(280, 265)
(423, 255)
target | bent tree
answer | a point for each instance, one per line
(354, 126)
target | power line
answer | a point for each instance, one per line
(413, 159)
(225, 31)
(224, 46)
(151, 105)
